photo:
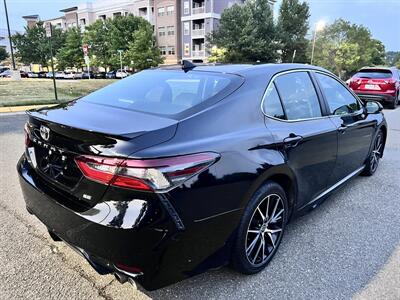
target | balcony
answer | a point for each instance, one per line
(198, 10)
(198, 53)
(198, 32)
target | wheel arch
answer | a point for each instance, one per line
(281, 175)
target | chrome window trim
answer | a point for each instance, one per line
(348, 89)
(307, 119)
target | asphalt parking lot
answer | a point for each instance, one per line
(349, 247)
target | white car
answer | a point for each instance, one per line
(121, 74)
(59, 75)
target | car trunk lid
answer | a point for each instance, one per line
(59, 134)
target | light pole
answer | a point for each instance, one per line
(120, 57)
(16, 75)
(319, 26)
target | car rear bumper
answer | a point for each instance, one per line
(375, 96)
(146, 234)
(106, 236)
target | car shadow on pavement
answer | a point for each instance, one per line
(330, 253)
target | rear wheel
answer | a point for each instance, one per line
(375, 156)
(261, 229)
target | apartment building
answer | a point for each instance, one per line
(199, 18)
(180, 26)
(168, 30)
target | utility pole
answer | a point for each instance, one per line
(9, 36)
(120, 57)
(49, 34)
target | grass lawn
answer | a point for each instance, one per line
(40, 91)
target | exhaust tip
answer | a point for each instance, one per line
(121, 277)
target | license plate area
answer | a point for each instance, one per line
(373, 87)
(56, 165)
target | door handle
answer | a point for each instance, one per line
(292, 140)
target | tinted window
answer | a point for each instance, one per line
(298, 96)
(374, 74)
(340, 100)
(161, 91)
(272, 103)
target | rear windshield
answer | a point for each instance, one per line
(165, 92)
(374, 74)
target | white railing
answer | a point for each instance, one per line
(198, 32)
(198, 10)
(198, 53)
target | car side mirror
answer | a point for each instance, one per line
(373, 107)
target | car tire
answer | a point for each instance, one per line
(261, 229)
(375, 155)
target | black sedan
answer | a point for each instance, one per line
(171, 172)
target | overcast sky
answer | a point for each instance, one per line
(382, 17)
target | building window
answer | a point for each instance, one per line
(187, 49)
(170, 10)
(161, 11)
(102, 17)
(126, 13)
(171, 30)
(171, 50)
(161, 31)
(186, 7)
(117, 14)
(163, 50)
(186, 28)
(82, 22)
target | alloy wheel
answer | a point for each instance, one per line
(376, 152)
(265, 229)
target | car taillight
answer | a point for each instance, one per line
(159, 175)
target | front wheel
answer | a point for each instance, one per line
(375, 156)
(261, 229)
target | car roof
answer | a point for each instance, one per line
(246, 70)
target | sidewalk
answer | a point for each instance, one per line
(21, 108)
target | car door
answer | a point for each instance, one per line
(306, 138)
(355, 128)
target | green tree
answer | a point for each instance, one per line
(292, 28)
(33, 46)
(217, 55)
(343, 48)
(71, 54)
(142, 51)
(392, 57)
(106, 37)
(247, 32)
(3, 54)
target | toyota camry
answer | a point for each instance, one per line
(175, 171)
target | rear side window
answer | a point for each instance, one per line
(374, 74)
(164, 92)
(272, 103)
(298, 96)
(339, 99)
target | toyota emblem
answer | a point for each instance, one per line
(45, 132)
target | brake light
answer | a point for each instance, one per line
(159, 175)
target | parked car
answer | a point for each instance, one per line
(2, 69)
(23, 74)
(85, 75)
(204, 166)
(73, 75)
(42, 74)
(121, 74)
(59, 75)
(111, 75)
(377, 83)
(99, 75)
(6, 74)
(49, 75)
(32, 75)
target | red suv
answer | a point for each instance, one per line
(377, 83)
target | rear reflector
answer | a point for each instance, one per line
(159, 175)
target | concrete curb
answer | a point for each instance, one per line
(22, 108)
